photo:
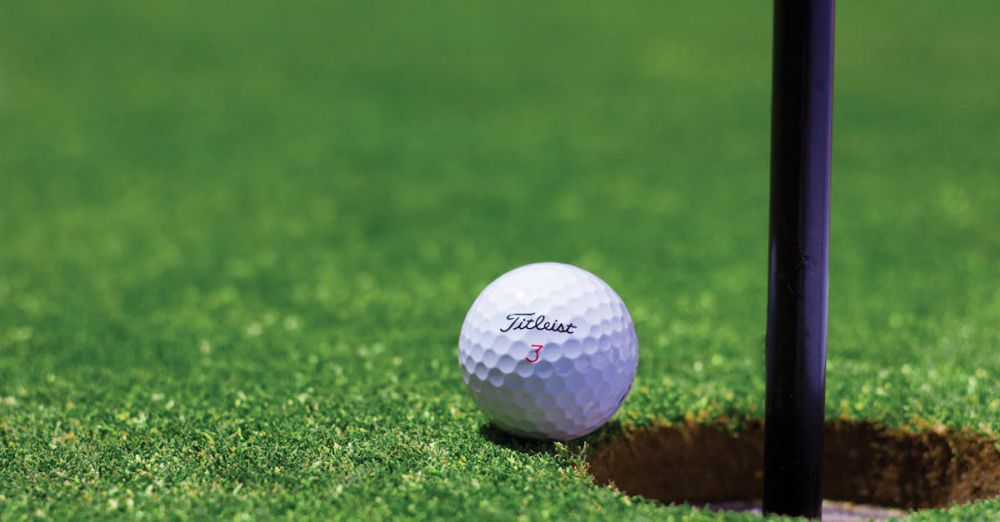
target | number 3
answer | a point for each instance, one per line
(537, 348)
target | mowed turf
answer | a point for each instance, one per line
(237, 242)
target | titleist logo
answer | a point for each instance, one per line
(529, 321)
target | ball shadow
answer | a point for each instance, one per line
(494, 434)
(498, 436)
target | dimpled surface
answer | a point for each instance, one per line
(579, 378)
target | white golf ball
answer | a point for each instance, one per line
(549, 351)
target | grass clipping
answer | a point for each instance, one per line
(863, 463)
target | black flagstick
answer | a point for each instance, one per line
(802, 93)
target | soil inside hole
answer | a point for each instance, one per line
(863, 463)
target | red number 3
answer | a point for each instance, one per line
(537, 348)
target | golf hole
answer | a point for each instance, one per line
(869, 471)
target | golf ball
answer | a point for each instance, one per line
(549, 351)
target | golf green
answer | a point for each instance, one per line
(238, 241)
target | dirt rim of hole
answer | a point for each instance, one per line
(863, 463)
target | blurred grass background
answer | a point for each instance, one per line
(237, 241)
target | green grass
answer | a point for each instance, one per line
(237, 242)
